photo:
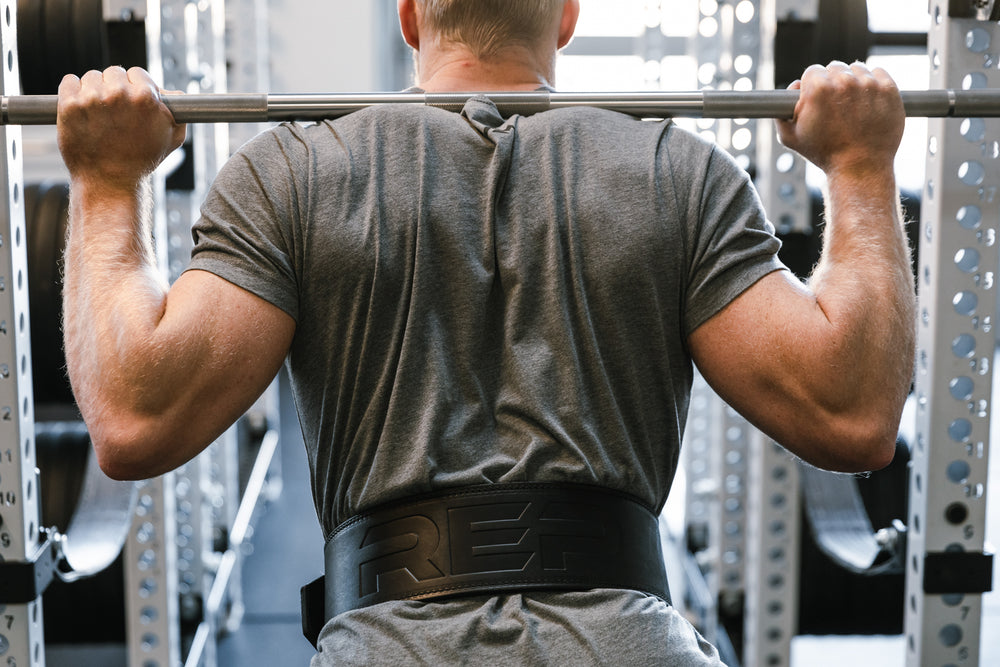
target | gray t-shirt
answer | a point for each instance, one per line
(480, 299)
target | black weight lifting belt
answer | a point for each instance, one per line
(491, 539)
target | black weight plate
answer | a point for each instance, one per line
(62, 450)
(45, 222)
(41, 279)
(90, 49)
(59, 31)
(60, 380)
(62, 392)
(45, 238)
(843, 32)
(30, 201)
(37, 253)
(30, 46)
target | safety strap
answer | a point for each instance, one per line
(492, 539)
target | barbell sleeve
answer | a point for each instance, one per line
(259, 108)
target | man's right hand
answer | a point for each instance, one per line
(113, 127)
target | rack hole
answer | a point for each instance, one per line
(960, 430)
(785, 163)
(974, 129)
(952, 599)
(965, 303)
(974, 81)
(964, 346)
(956, 513)
(961, 388)
(971, 173)
(950, 635)
(967, 260)
(745, 11)
(977, 40)
(958, 472)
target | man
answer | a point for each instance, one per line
(469, 300)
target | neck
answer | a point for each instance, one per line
(446, 70)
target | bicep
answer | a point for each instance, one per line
(244, 339)
(762, 354)
(215, 351)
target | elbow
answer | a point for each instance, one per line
(120, 471)
(127, 453)
(118, 461)
(856, 445)
(133, 447)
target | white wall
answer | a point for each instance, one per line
(328, 46)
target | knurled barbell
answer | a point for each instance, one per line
(257, 108)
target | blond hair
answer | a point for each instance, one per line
(487, 27)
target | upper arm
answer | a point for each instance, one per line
(215, 350)
(773, 355)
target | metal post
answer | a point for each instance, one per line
(248, 56)
(700, 453)
(773, 540)
(728, 50)
(21, 640)
(956, 341)
(152, 622)
(781, 177)
(248, 53)
(152, 604)
(191, 40)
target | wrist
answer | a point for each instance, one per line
(110, 209)
(862, 169)
(857, 199)
(95, 188)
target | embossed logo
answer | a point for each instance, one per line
(482, 539)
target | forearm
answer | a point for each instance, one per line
(864, 286)
(114, 304)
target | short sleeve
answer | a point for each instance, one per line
(733, 246)
(246, 232)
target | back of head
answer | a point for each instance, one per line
(487, 27)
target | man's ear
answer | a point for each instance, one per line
(408, 22)
(567, 25)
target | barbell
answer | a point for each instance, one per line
(258, 108)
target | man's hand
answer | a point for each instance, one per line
(114, 128)
(847, 118)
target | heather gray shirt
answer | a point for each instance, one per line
(486, 300)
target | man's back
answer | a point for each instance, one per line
(480, 300)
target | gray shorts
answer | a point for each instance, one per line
(599, 627)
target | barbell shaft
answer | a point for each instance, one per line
(259, 108)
